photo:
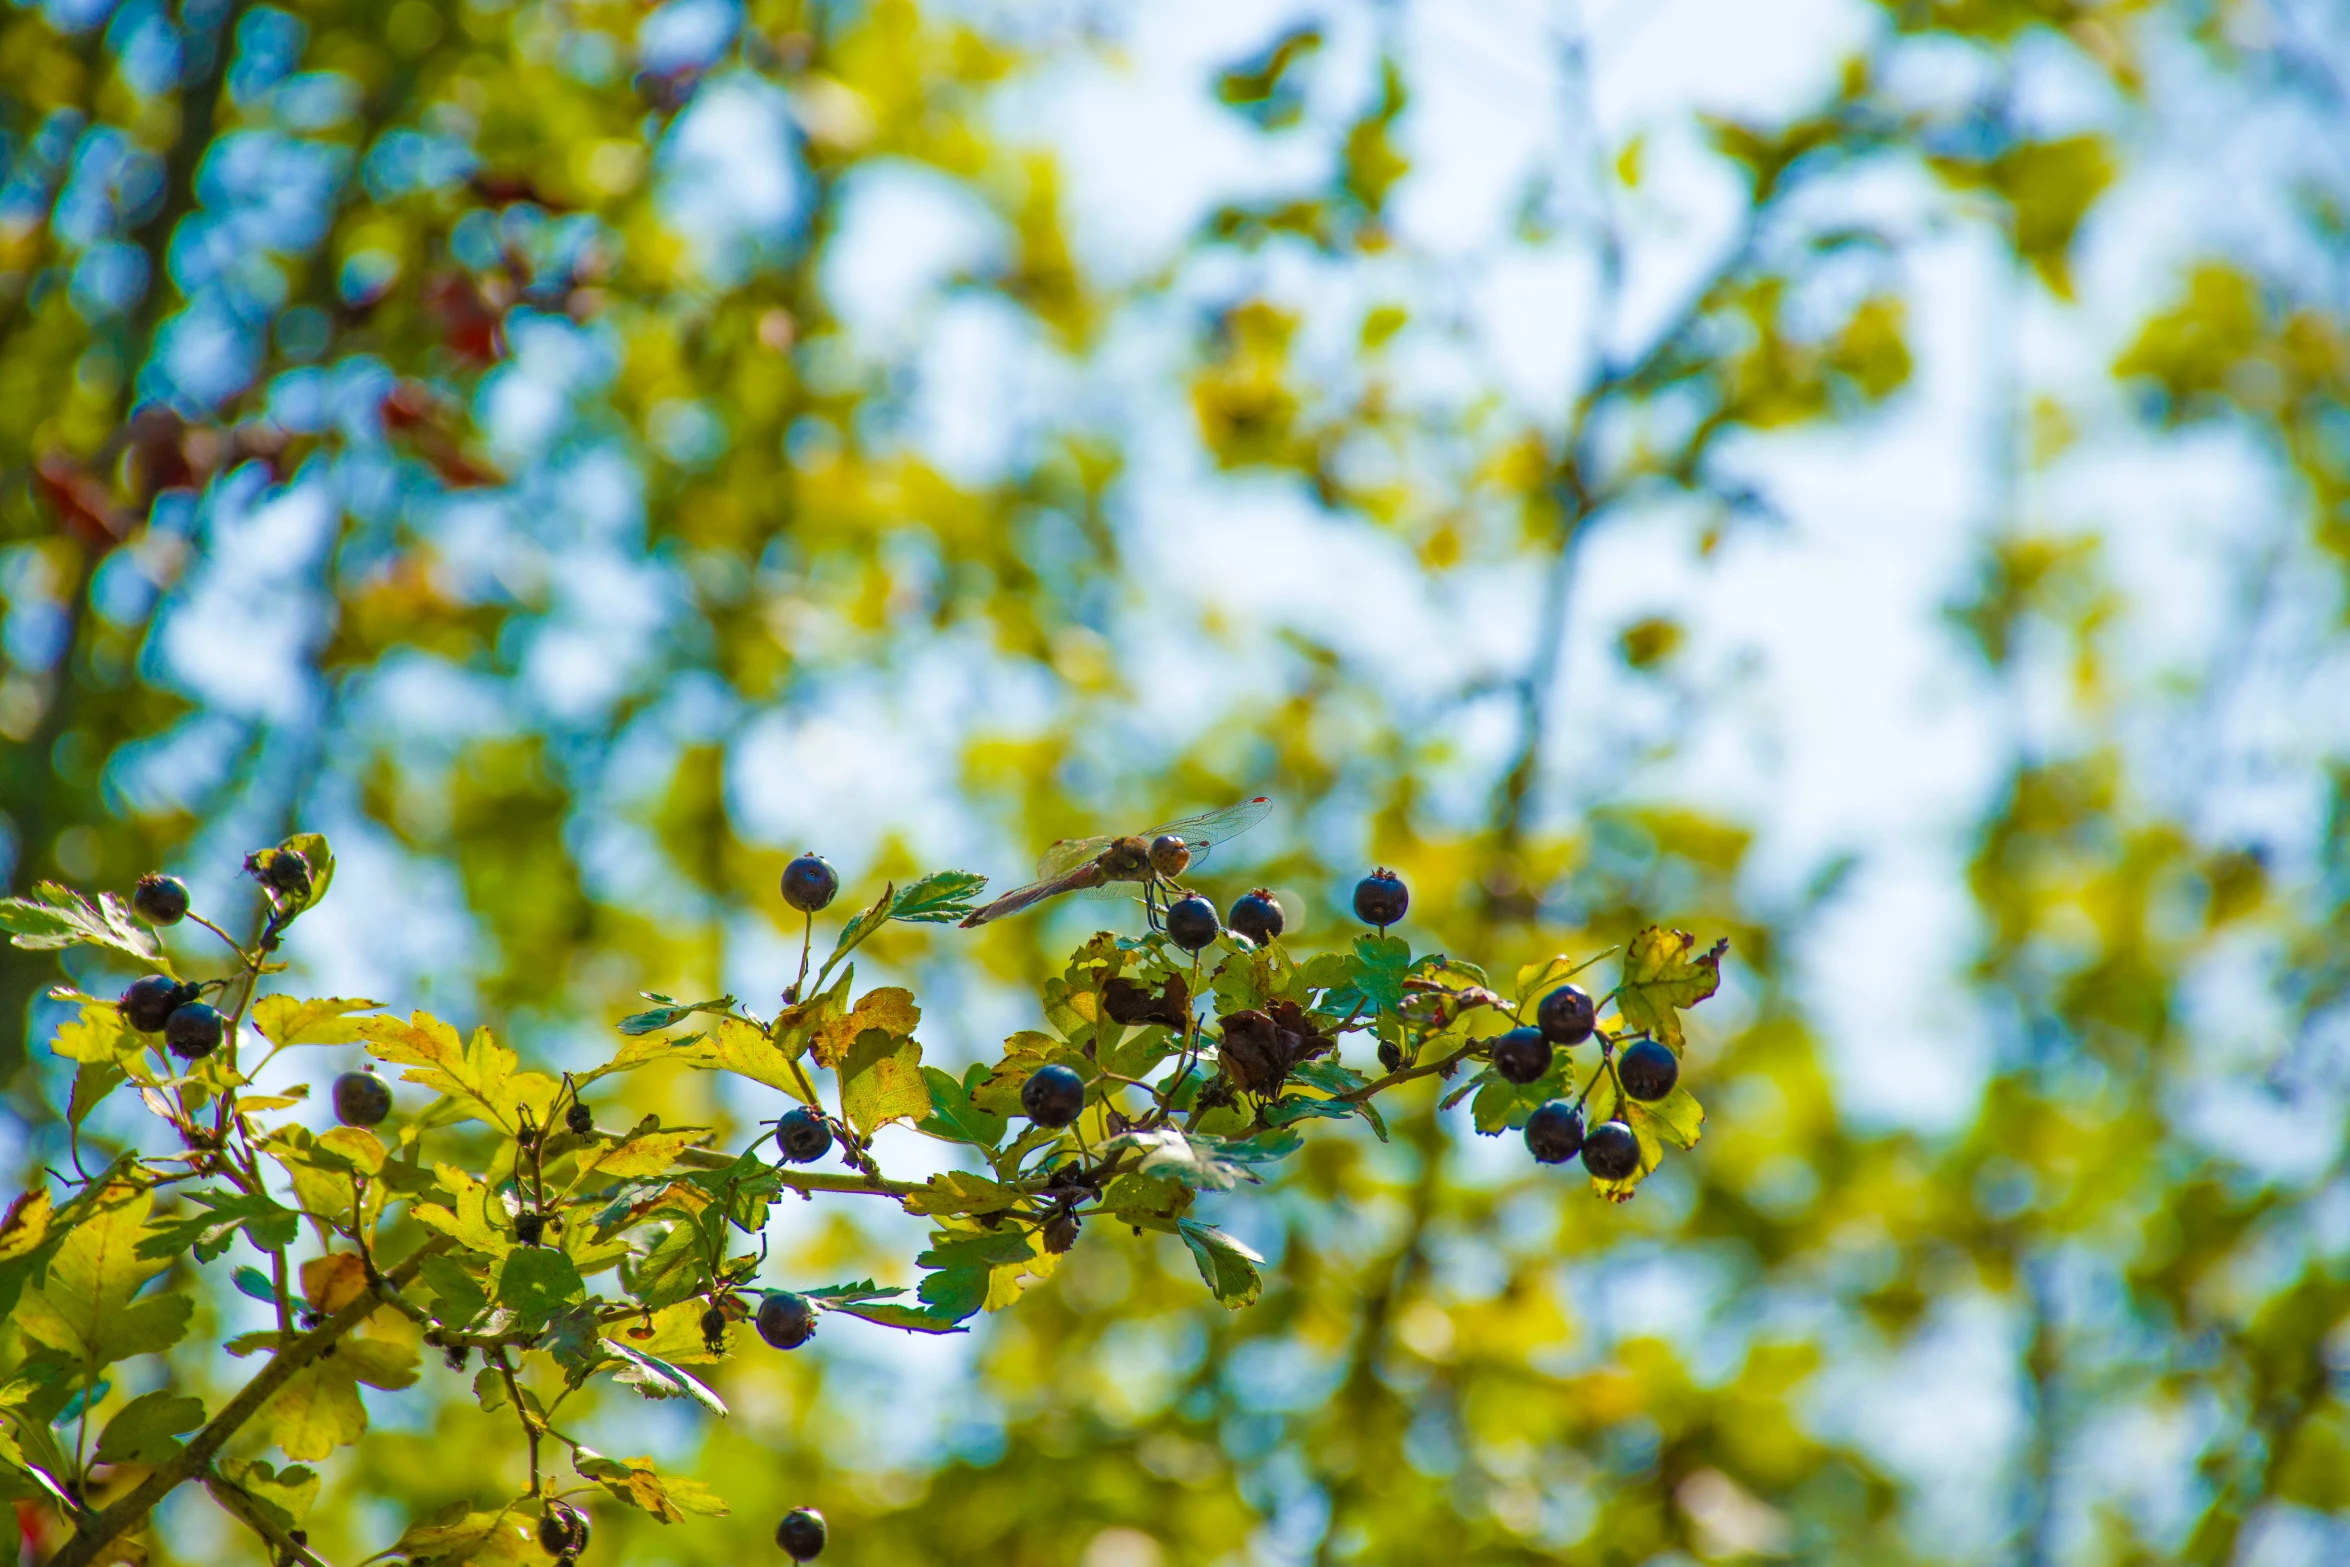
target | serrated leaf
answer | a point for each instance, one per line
(1202, 1162)
(648, 1153)
(937, 899)
(285, 1495)
(85, 1306)
(954, 1118)
(269, 1226)
(668, 1013)
(536, 1282)
(285, 1021)
(319, 1409)
(953, 1191)
(881, 1081)
(889, 1009)
(912, 1319)
(1291, 1111)
(56, 916)
(97, 1036)
(355, 1146)
(853, 934)
(657, 1378)
(1677, 1118)
(636, 1482)
(145, 1430)
(746, 1050)
(1664, 972)
(1228, 1266)
(479, 1074)
(1536, 980)
(26, 1225)
(1374, 977)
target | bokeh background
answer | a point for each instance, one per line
(1870, 480)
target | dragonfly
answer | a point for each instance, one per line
(1101, 867)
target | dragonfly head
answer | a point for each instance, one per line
(1169, 854)
(1127, 859)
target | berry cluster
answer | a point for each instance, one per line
(1180, 1062)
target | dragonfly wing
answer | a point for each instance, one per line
(1066, 854)
(1083, 879)
(1204, 831)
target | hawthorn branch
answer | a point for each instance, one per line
(95, 1534)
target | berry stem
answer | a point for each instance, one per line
(530, 1430)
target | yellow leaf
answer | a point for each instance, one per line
(97, 1035)
(889, 1009)
(355, 1146)
(479, 1074)
(319, 1410)
(283, 1020)
(740, 1047)
(468, 1220)
(26, 1226)
(85, 1305)
(1664, 972)
(881, 1081)
(334, 1281)
(649, 1154)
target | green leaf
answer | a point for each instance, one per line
(938, 899)
(1229, 1267)
(1291, 1111)
(657, 1378)
(254, 1284)
(1677, 1118)
(538, 1281)
(144, 1431)
(85, 1306)
(1202, 1162)
(853, 934)
(954, 1293)
(1537, 980)
(669, 1011)
(881, 1081)
(915, 1319)
(460, 1296)
(269, 1227)
(56, 916)
(285, 1496)
(1663, 972)
(1374, 977)
(1024, 1052)
(953, 1117)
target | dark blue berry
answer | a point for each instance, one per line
(193, 1031)
(1053, 1096)
(150, 999)
(1257, 916)
(1565, 1015)
(1648, 1070)
(1381, 898)
(801, 1534)
(563, 1532)
(785, 1320)
(809, 883)
(163, 900)
(1554, 1133)
(361, 1099)
(1522, 1055)
(1611, 1152)
(1191, 922)
(803, 1135)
